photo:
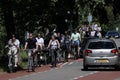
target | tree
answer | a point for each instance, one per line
(7, 9)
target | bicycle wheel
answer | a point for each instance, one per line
(38, 62)
(30, 64)
(11, 63)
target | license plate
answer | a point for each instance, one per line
(102, 61)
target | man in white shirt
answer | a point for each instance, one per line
(13, 45)
(92, 33)
(95, 26)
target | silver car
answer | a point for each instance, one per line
(101, 53)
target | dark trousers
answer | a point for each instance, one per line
(66, 50)
(53, 57)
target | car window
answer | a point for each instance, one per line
(101, 45)
(113, 33)
(85, 41)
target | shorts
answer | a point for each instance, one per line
(76, 43)
(30, 52)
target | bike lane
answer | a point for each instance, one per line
(8, 76)
(102, 75)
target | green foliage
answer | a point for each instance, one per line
(35, 15)
(3, 35)
(105, 28)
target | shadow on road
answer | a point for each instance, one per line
(101, 69)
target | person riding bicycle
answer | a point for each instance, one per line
(53, 45)
(32, 45)
(75, 37)
(13, 45)
(40, 41)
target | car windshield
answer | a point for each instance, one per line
(101, 45)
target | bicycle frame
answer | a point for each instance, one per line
(31, 61)
(11, 62)
(74, 50)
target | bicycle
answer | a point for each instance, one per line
(74, 49)
(39, 54)
(11, 59)
(11, 62)
(31, 65)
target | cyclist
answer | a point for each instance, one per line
(40, 42)
(75, 37)
(13, 45)
(53, 45)
(32, 45)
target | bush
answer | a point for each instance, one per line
(105, 28)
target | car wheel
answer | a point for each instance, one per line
(117, 67)
(85, 67)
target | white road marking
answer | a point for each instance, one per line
(76, 78)
(63, 64)
(42, 72)
(70, 63)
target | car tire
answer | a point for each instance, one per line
(117, 67)
(85, 67)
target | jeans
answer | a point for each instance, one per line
(15, 53)
(53, 57)
(65, 50)
(58, 55)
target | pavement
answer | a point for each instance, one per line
(67, 71)
(8, 76)
(72, 70)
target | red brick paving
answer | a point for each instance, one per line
(108, 75)
(7, 76)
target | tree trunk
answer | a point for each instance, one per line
(8, 17)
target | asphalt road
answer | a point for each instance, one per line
(67, 71)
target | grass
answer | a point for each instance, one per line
(4, 61)
(24, 60)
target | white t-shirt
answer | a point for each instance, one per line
(75, 36)
(99, 29)
(99, 34)
(95, 27)
(40, 41)
(92, 33)
(14, 45)
(54, 44)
